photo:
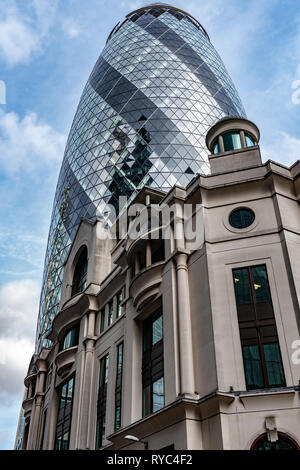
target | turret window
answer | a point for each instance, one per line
(232, 141)
(249, 142)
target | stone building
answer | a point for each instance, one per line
(162, 344)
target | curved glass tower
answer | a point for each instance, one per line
(156, 89)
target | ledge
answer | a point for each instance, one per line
(27, 405)
(29, 378)
(65, 360)
(145, 286)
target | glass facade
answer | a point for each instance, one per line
(156, 89)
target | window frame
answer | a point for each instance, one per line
(110, 314)
(240, 209)
(64, 413)
(118, 386)
(102, 401)
(119, 309)
(152, 363)
(62, 343)
(79, 281)
(261, 322)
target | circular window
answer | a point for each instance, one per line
(241, 218)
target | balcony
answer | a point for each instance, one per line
(145, 286)
(65, 360)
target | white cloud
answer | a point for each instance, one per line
(27, 144)
(285, 149)
(19, 302)
(71, 28)
(18, 39)
(18, 314)
(23, 34)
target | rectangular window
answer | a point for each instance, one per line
(157, 250)
(119, 301)
(63, 426)
(102, 320)
(110, 312)
(101, 403)
(43, 430)
(153, 364)
(118, 389)
(258, 332)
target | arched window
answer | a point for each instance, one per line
(284, 443)
(71, 338)
(80, 274)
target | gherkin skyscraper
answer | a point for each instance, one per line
(156, 89)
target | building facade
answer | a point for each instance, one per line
(180, 345)
(156, 89)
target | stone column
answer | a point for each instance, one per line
(31, 428)
(37, 416)
(187, 380)
(89, 343)
(148, 253)
(53, 408)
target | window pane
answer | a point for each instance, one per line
(80, 274)
(261, 285)
(216, 148)
(158, 395)
(64, 442)
(119, 308)
(242, 286)
(110, 312)
(70, 390)
(118, 417)
(249, 141)
(147, 400)
(103, 427)
(58, 443)
(157, 330)
(71, 338)
(98, 433)
(102, 325)
(63, 396)
(120, 359)
(232, 141)
(242, 218)
(106, 368)
(274, 365)
(253, 372)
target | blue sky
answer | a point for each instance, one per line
(47, 51)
